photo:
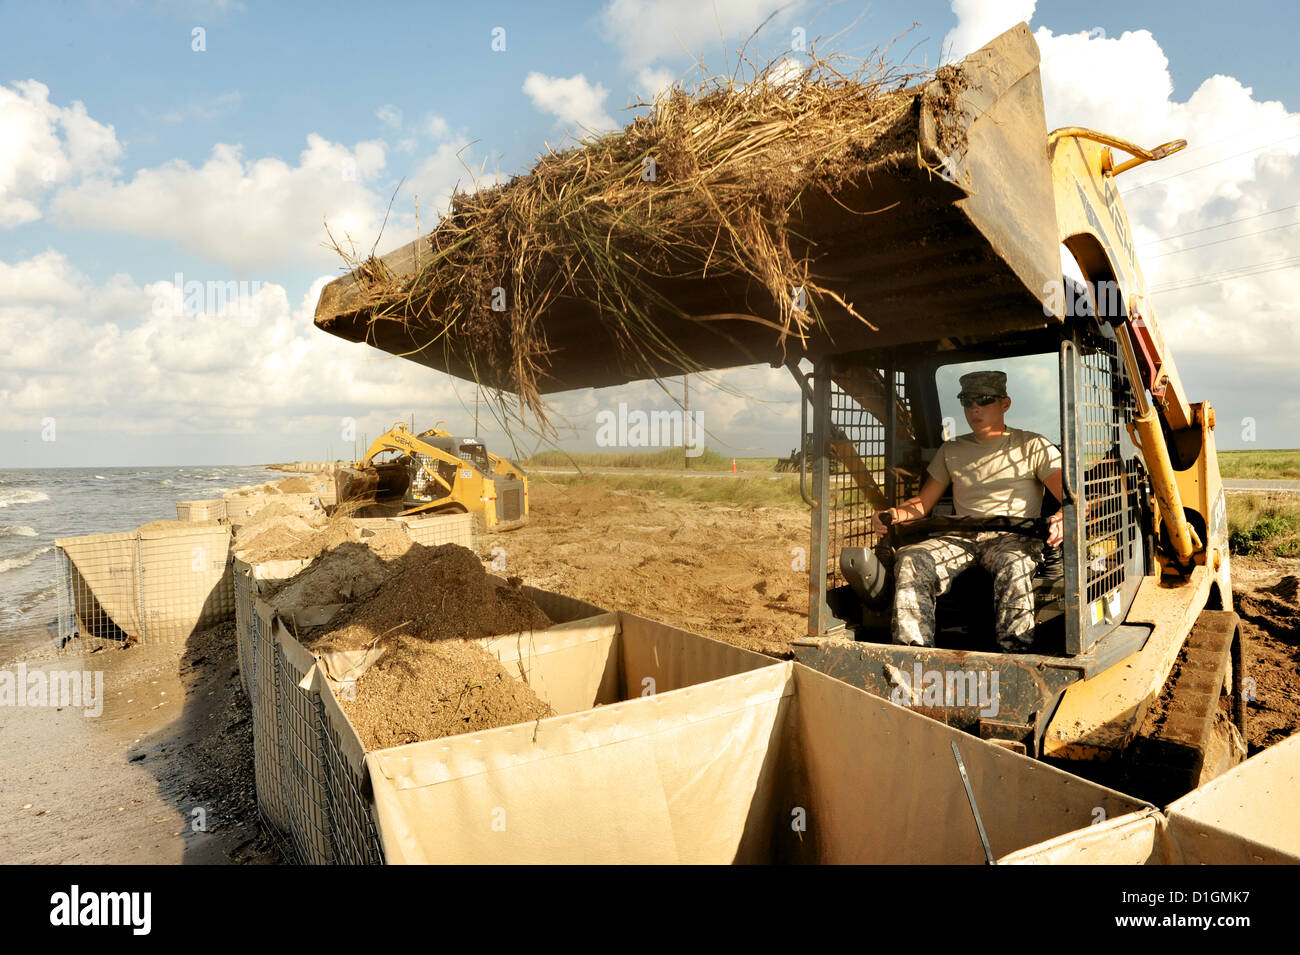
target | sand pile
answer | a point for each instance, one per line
(418, 691)
(436, 593)
(252, 490)
(1270, 624)
(257, 542)
(297, 485)
(278, 545)
(389, 542)
(1272, 610)
(348, 572)
(174, 525)
(280, 509)
(429, 683)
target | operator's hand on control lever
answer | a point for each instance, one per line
(877, 525)
(1055, 529)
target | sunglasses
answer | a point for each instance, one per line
(981, 400)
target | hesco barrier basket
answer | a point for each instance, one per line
(212, 509)
(308, 759)
(442, 529)
(1248, 816)
(263, 693)
(250, 582)
(240, 508)
(778, 764)
(253, 580)
(149, 584)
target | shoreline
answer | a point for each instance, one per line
(163, 775)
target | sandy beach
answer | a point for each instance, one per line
(163, 775)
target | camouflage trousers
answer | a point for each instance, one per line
(924, 572)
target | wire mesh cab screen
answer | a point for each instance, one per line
(1106, 554)
(870, 424)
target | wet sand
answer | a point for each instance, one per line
(163, 775)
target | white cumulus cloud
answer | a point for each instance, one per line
(148, 359)
(979, 21)
(648, 30)
(43, 145)
(576, 104)
(1214, 224)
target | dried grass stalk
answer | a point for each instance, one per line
(730, 163)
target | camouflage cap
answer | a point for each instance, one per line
(984, 383)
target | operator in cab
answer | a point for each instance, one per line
(995, 471)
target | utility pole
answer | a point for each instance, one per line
(686, 388)
(478, 389)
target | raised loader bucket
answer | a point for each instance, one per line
(951, 230)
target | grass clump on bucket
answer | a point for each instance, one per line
(707, 185)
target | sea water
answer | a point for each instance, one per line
(39, 505)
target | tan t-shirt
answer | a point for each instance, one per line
(1000, 477)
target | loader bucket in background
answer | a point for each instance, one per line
(952, 233)
(378, 484)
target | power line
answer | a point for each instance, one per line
(1258, 215)
(1239, 268)
(1233, 238)
(1245, 272)
(1152, 182)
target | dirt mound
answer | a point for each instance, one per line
(280, 509)
(1270, 626)
(297, 485)
(252, 490)
(257, 543)
(173, 525)
(350, 571)
(1288, 588)
(436, 593)
(1266, 612)
(430, 682)
(317, 542)
(389, 543)
(419, 690)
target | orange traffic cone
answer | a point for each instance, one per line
(733, 465)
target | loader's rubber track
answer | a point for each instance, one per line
(1188, 737)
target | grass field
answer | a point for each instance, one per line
(1250, 465)
(1264, 525)
(1260, 465)
(740, 491)
(664, 460)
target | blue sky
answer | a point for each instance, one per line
(212, 169)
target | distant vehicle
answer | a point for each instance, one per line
(437, 472)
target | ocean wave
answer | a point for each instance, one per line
(17, 530)
(22, 496)
(24, 560)
(34, 600)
